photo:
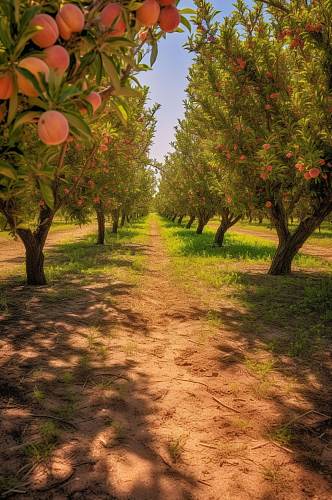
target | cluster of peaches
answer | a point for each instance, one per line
(53, 127)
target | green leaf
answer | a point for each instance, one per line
(185, 23)
(126, 92)
(31, 77)
(187, 11)
(7, 170)
(154, 54)
(47, 193)
(78, 126)
(111, 71)
(26, 117)
(13, 104)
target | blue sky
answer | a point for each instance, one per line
(167, 81)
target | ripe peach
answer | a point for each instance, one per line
(6, 85)
(148, 14)
(53, 128)
(112, 17)
(70, 19)
(50, 32)
(169, 18)
(268, 204)
(165, 3)
(314, 172)
(307, 175)
(289, 155)
(300, 166)
(35, 66)
(57, 57)
(95, 100)
(266, 147)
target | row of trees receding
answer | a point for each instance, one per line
(256, 139)
(74, 129)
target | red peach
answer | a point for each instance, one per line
(6, 85)
(70, 19)
(112, 17)
(53, 128)
(35, 66)
(57, 57)
(49, 33)
(148, 14)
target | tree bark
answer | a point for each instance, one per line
(290, 244)
(201, 225)
(34, 243)
(227, 220)
(180, 219)
(173, 218)
(123, 218)
(190, 222)
(101, 226)
(115, 217)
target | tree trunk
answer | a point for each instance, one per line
(34, 243)
(123, 219)
(115, 217)
(200, 226)
(190, 222)
(290, 244)
(227, 220)
(128, 218)
(101, 226)
(180, 219)
(173, 218)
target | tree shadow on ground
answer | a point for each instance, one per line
(282, 335)
(75, 406)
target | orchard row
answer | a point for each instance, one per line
(256, 139)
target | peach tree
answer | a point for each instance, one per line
(60, 62)
(266, 85)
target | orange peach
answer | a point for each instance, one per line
(53, 128)
(6, 85)
(111, 17)
(36, 66)
(49, 33)
(169, 18)
(57, 57)
(70, 19)
(148, 14)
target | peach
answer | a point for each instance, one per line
(266, 147)
(70, 19)
(314, 172)
(300, 166)
(57, 57)
(50, 32)
(307, 175)
(165, 3)
(35, 66)
(95, 100)
(53, 128)
(169, 18)
(148, 14)
(6, 85)
(268, 204)
(112, 17)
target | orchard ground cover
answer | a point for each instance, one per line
(135, 374)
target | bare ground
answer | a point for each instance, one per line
(155, 402)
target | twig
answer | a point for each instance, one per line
(260, 445)
(226, 406)
(282, 447)
(192, 381)
(209, 446)
(203, 482)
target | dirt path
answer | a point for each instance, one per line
(314, 250)
(160, 408)
(12, 251)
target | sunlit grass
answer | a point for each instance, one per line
(270, 307)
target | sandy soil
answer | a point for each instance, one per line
(167, 412)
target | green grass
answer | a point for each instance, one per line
(290, 314)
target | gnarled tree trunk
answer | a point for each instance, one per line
(190, 222)
(227, 220)
(34, 242)
(202, 221)
(173, 218)
(101, 225)
(290, 243)
(180, 219)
